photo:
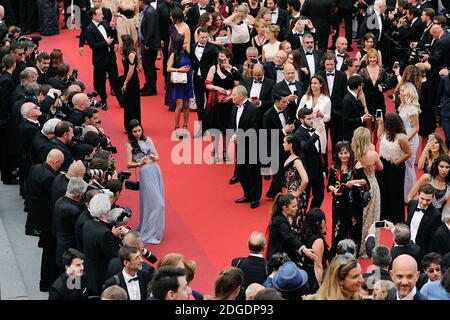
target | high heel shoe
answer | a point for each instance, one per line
(177, 133)
(185, 132)
(225, 156)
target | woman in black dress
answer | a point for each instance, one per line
(427, 118)
(130, 88)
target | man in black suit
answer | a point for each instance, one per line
(100, 243)
(441, 239)
(194, 13)
(411, 28)
(381, 260)
(337, 88)
(309, 59)
(275, 122)
(150, 41)
(131, 278)
(259, 89)
(59, 188)
(101, 38)
(244, 122)
(405, 274)
(321, 13)
(353, 113)
(254, 266)
(107, 16)
(375, 23)
(65, 213)
(295, 88)
(63, 137)
(40, 208)
(340, 52)
(279, 16)
(345, 10)
(39, 145)
(84, 217)
(203, 56)
(312, 159)
(164, 20)
(274, 69)
(42, 65)
(423, 218)
(438, 57)
(72, 283)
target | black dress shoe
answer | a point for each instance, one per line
(234, 179)
(242, 200)
(113, 93)
(148, 93)
(254, 204)
(104, 106)
(32, 232)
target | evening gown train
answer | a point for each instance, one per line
(132, 98)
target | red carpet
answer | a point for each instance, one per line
(202, 220)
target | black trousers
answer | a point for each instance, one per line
(322, 39)
(199, 92)
(165, 52)
(251, 180)
(336, 129)
(315, 186)
(28, 15)
(100, 78)
(6, 165)
(49, 270)
(391, 181)
(148, 64)
(10, 12)
(347, 16)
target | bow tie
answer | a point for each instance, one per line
(308, 52)
(341, 56)
(330, 74)
(279, 68)
(200, 46)
(133, 279)
(99, 24)
(281, 112)
(273, 12)
(420, 209)
(202, 8)
(291, 84)
(311, 130)
(255, 82)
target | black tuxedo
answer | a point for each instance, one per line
(412, 32)
(312, 160)
(343, 67)
(441, 240)
(208, 58)
(345, 10)
(27, 131)
(291, 109)
(271, 70)
(60, 291)
(321, 13)
(265, 95)
(84, 217)
(42, 76)
(428, 225)
(282, 20)
(68, 157)
(255, 271)
(151, 38)
(143, 279)
(282, 238)
(392, 295)
(59, 187)
(247, 165)
(107, 16)
(338, 94)
(6, 127)
(192, 17)
(305, 78)
(115, 266)
(439, 57)
(100, 246)
(352, 111)
(103, 58)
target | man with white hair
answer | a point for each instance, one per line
(274, 69)
(41, 139)
(252, 290)
(65, 214)
(375, 23)
(100, 244)
(441, 239)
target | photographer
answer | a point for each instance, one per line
(424, 44)
(80, 103)
(18, 50)
(59, 187)
(90, 118)
(39, 144)
(63, 137)
(61, 80)
(84, 217)
(100, 243)
(246, 68)
(49, 102)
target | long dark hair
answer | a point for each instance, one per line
(312, 228)
(131, 139)
(178, 49)
(281, 200)
(337, 148)
(296, 148)
(127, 45)
(434, 171)
(393, 125)
(177, 15)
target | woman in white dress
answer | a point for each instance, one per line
(317, 98)
(409, 112)
(270, 49)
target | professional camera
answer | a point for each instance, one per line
(92, 173)
(60, 115)
(93, 102)
(417, 53)
(123, 175)
(149, 256)
(119, 214)
(74, 76)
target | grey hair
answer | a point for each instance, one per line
(99, 205)
(241, 90)
(31, 89)
(114, 214)
(377, 4)
(251, 49)
(402, 234)
(381, 256)
(446, 214)
(25, 108)
(49, 126)
(27, 73)
(346, 246)
(76, 186)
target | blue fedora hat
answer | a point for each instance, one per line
(289, 278)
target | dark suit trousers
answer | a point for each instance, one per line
(199, 92)
(336, 129)
(100, 79)
(251, 181)
(276, 185)
(49, 270)
(28, 15)
(315, 186)
(6, 165)
(148, 64)
(165, 52)
(322, 37)
(347, 16)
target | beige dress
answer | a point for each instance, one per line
(371, 212)
(128, 22)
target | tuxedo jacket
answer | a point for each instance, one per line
(321, 13)
(270, 70)
(7, 86)
(282, 238)
(265, 96)
(271, 121)
(291, 109)
(115, 266)
(343, 67)
(208, 59)
(371, 25)
(411, 249)
(102, 53)
(352, 111)
(107, 16)
(150, 28)
(283, 16)
(305, 78)
(412, 32)
(60, 291)
(255, 270)
(68, 157)
(27, 131)
(392, 295)
(119, 280)
(38, 151)
(439, 57)
(339, 92)
(312, 159)
(428, 225)
(441, 240)
(193, 15)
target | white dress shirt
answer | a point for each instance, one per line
(330, 80)
(101, 28)
(410, 296)
(292, 88)
(280, 75)
(340, 60)
(255, 91)
(380, 23)
(240, 109)
(274, 16)
(134, 292)
(281, 116)
(415, 223)
(199, 53)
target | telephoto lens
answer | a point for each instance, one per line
(149, 256)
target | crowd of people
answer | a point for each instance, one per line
(248, 66)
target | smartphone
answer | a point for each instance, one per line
(295, 93)
(380, 224)
(396, 65)
(378, 113)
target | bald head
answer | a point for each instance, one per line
(55, 158)
(256, 242)
(258, 72)
(76, 170)
(404, 273)
(289, 72)
(436, 31)
(252, 290)
(80, 101)
(341, 45)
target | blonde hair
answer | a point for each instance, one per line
(339, 268)
(259, 22)
(381, 289)
(373, 53)
(360, 142)
(423, 68)
(171, 259)
(273, 29)
(243, 8)
(411, 95)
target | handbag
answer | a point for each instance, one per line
(178, 77)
